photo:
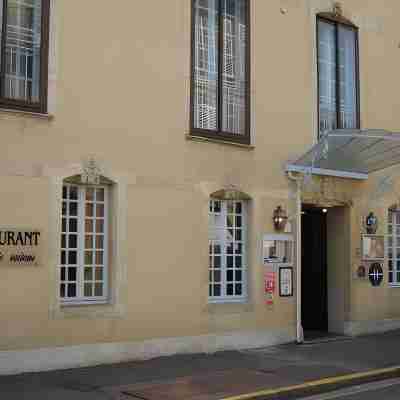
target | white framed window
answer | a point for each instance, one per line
(393, 247)
(84, 237)
(227, 250)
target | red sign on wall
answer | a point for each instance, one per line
(270, 285)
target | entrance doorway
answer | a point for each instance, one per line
(314, 274)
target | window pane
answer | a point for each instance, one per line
(88, 274)
(98, 289)
(234, 66)
(205, 64)
(62, 290)
(73, 192)
(99, 225)
(99, 257)
(88, 290)
(99, 242)
(73, 241)
(238, 289)
(89, 194)
(72, 274)
(99, 274)
(73, 225)
(100, 194)
(89, 209)
(71, 290)
(62, 277)
(88, 257)
(63, 258)
(347, 77)
(88, 242)
(73, 209)
(229, 289)
(72, 258)
(22, 50)
(89, 226)
(99, 210)
(327, 76)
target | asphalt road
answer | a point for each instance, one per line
(385, 390)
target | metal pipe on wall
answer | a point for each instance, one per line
(299, 328)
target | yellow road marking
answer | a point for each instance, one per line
(311, 384)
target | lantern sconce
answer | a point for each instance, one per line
(371, 223)
(279, 218)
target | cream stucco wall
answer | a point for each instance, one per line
(119, 92)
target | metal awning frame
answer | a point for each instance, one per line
(310, 162)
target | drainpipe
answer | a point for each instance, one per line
(299, 328)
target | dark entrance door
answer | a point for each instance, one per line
(314, 307)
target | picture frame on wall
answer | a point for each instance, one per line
(373, 247)
(277, 249)
(286, 281)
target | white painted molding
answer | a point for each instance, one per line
(355, 328)
(45, 359)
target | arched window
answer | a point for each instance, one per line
(227, 249)
(338, 73)
(84, 242)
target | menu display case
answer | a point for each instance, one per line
(277, 249)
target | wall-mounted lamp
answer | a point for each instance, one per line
(371, 223)
(279, 218)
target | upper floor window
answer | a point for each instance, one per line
(338, 75)
(220, 70)
(24, 31)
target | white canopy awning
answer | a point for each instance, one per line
(350, 153)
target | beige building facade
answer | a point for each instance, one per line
(150, 226)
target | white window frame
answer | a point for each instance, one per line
(80, 281)
(224, 297)
(392, 244)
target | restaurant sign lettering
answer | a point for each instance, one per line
(19, 247)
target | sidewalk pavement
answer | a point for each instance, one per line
(209, 376)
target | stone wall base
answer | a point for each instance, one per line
(45, 359)
(354, 328)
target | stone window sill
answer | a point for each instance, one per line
(229, 307)
(87, 311)
(218, 141)
(44, 116)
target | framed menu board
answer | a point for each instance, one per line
(286, 281)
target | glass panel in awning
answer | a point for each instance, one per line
(350, 153)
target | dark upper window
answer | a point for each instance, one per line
(220, 70)
(23, 54)
(338, 76)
